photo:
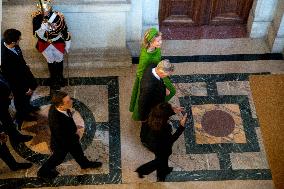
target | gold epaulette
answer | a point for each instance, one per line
(60, 14)
(36, 13)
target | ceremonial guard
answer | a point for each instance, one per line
(50, 28)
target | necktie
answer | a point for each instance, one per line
(18, 50)
(69, 113)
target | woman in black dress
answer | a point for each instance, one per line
(158, 138)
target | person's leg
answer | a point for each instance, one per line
(48, 168)
(22, 105)
(59, 71)
(78, 154)
(147, 168)
(10, 129)
(162, 167)
(7, 157)
(54, 83)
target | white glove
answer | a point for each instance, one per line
(67, 46)
(44, 26)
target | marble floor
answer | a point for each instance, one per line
(220, 148)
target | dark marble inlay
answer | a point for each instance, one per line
(218, 123)
(219, 58)
(218, 175)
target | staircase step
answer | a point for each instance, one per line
(84, 58)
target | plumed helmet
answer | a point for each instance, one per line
(44, 5)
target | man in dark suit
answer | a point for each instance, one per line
(18, 74)
(6, 121)
(152, 88)
(64, 138)
(152, 91)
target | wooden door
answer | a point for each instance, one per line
(228, 12)
(180, 12)
(203, 12)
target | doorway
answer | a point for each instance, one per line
(203, 19)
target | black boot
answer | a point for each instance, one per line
(59, 71)
(53, 81)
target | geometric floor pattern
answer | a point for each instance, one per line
(224, 101)
(222, 139)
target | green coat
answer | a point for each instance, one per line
(145, 60)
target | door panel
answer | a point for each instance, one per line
(180, 12)
(203, 12)
(229, 12)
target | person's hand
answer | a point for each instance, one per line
(3, 137)
(178, 109)
(29, 92)
(44, 26)
(11, 96)
(183, 120)
(167, 92)
(67, 46)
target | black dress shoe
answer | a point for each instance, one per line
(51, 174)
(92, 164)
(23, 138)
(140, 175)
(161, 179)
(169, 170)
(20, 166)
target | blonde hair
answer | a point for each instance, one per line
(149, 37)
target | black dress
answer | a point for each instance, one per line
(160, 143)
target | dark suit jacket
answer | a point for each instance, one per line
(16, 71)
(63, 130)
(5, 92)
(152, 92)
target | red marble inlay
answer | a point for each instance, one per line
(218, 123)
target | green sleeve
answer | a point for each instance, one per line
(170, 87)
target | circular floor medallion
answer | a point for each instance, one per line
(218, 123)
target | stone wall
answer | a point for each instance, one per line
(261, 17)
(93, 23)
(275, 36)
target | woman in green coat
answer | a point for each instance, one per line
(150, 53)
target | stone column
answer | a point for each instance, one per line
(261, 17)
(134, 21)
(275, 36)
(150, 14)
